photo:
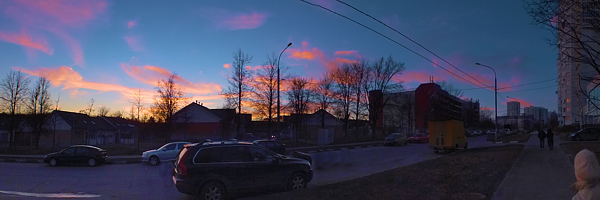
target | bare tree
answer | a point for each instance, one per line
(39, 106)
(238, 82)
(575, 25)
(448, 87)
(118, 114)
(344, 80)
(13, 91)
(323, 93)
(299, 98)
(89, 109)
(137, 107)
(360, 69)
(383, 71)
(103, 111)
(264, 91)
(167, 101)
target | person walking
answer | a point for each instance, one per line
(550, 136)
(542, 136)
(587, 172)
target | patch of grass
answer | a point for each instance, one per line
(471, 174)
(572, 148)
(521, 138)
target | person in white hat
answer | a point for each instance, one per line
(587, 172)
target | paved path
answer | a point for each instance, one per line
(539, 174)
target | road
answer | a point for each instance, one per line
(142, 181)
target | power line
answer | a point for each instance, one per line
(384, 24)
(394, 41)
(526, 84)
(534, 89)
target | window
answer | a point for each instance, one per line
(70, 150)
(236, 154)
(208, 155)
(180, 146)
(82, 150)
(568, 100)
(568, 117)
(259, 154)
(568, 109)
(170, 147)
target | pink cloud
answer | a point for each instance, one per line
(523, 102)
(134, 43)
(56, 16)
(227, 66)
(71, 80)
(245, 21)
(486, 108)
(151, 75)
(413, 76)
(345, 52)
(27, 41)
(305, 53)
(131, 24)
(228, 20)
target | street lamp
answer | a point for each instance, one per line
(495, 95)
(290, 44)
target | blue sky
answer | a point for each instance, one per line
(107, 50)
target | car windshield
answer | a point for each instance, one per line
(393, 135)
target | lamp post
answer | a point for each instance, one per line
(290, 44)
(495, 95)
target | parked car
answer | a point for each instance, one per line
(214, 170)
(166, 153)
(280, 149)
(396, 139)
(285, 134)
(78, 154)
(419, 138)
(586, 134)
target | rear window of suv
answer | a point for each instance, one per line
(223, 154)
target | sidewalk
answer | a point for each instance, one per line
(539, 174)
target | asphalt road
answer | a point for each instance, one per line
(142, 181)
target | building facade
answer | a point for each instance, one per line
(513, 108)
(540, 114)
(433, 103)
(574, 60)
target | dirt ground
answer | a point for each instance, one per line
(572, 148)
(471, 174)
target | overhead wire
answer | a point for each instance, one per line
(408, 38)
(394, 41)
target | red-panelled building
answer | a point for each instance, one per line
(433, 103)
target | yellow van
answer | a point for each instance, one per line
(447, 135)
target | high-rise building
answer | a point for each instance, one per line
(574, 59)
(539, 113)
(514, 108)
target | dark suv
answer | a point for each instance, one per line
(212, 170)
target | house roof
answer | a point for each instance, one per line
(83, 121)
(221, 114)
(121, 124)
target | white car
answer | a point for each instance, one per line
(166, 153)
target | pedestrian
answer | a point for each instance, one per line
(587, 172)
(542, 136)
(550, 136)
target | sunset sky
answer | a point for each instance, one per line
(107, 50)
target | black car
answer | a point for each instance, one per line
(280, 149)
(586, 134)
(213, 170)
(78, 154)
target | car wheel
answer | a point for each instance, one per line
(91, 162)
(212, 191)
(53, 162)
(154, 160)
(296, 182)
